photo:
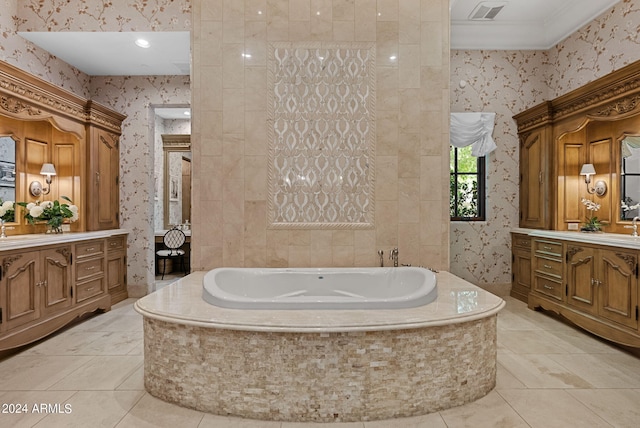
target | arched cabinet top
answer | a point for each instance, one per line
(29, 98)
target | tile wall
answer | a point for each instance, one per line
(229, 131)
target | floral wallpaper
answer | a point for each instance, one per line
(25, 55)
(134, 96)
(509, 82)
(104, 15)
(608, 43)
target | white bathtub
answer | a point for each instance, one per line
(319, 288)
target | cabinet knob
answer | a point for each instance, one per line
(548, 287)
(548, 266)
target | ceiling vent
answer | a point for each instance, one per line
(487, 10)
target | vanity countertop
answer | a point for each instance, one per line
(612, 239)
(17, 242)
(162, 232)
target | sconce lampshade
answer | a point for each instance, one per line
(48, 169)
(588, 169)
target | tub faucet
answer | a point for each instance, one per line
(634, 226)
(394, 256)
(381, 254)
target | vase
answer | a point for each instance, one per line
(2, 230)
(53, 229)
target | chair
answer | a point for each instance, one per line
(173, 240)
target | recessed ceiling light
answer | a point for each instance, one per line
(143, 43)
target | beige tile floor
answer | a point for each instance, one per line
(549, 375)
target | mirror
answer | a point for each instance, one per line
(177, 179)
(630, 177)
(7, 168)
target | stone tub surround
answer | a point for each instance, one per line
(363, 365)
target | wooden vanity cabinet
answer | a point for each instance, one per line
(603, 282)
(520, 266)
(598, 290)
(45, 287)
(36, 294)
(37, 283)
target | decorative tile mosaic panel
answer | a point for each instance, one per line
(321, 124)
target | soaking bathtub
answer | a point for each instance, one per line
(321, 365)
(319, 288)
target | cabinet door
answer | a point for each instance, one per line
(20, 295)
(521, 284)
(56, 279)
(618, 289)
(581, 277)
(534, 179)
(103, 174)
(116, 272)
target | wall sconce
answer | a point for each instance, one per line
(35, 188)
(600, 187)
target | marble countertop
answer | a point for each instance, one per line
(162, 232)
(611, 239)
(16, 242)
(181, 302)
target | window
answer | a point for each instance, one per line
(467, 194)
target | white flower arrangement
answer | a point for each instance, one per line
(592, 224)
(7, 210)
(53, 212)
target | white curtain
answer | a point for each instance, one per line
(473, 129)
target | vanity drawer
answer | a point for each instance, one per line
(89, 249)
(550, 248)
(89, 268)
(115, 243)
(89, 289)
(521, 241)
(549, 266)
(548, 287)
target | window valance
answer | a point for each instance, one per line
(473, 129)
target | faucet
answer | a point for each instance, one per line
(634, 226)
(394, 256)
(380, 254)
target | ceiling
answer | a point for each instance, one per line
(173, 113)
(520, 24)
(116, 54)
